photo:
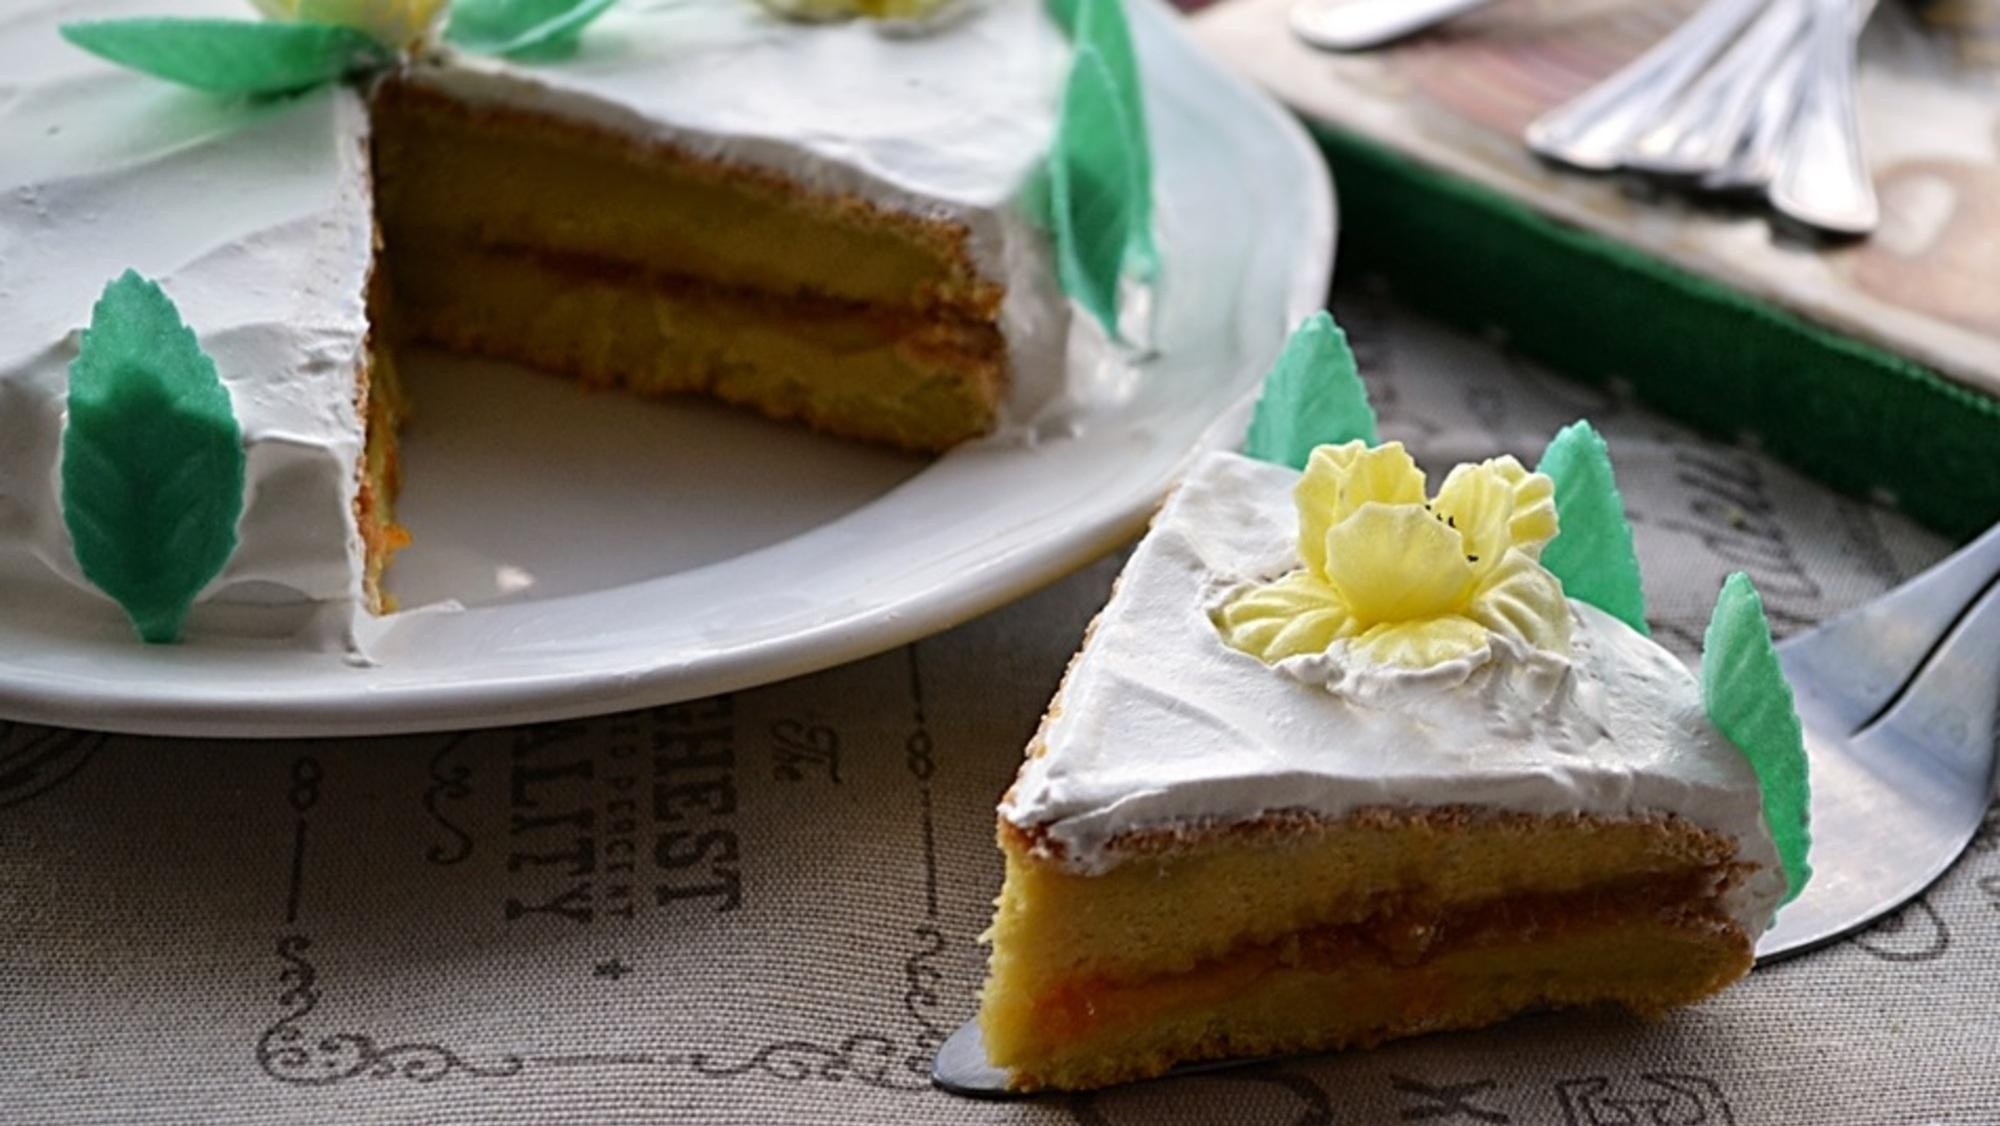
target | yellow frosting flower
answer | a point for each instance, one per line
(395, 24)
(1402, 581)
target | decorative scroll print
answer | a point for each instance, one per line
(921, 976)
(799, 748)
(1914, 934)
(921, 1001)
(35, 760)
(867, 1058)
(289, 1055)
(450, 781)
(1659, 1098)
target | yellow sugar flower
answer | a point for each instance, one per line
(395, 24)
(1403, 581)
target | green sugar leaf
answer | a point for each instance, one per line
(1312, 397)
(152, 459)
(231, 56)
(1090, 199)
(1592, 553)
(1101, 24)
(1748, 700)
(542, 29)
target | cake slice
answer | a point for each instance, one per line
(1339, 762)
(820, 222)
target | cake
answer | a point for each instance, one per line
(882, 230)
(1340, 761)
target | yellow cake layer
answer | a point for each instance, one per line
(1177, 901)
(383, 406)
(916, 384)
(498, 177)
(1328, 991)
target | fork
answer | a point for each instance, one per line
(1900, 700)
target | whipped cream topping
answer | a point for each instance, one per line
(1508, 685)
(1162, 726)
(255, 217)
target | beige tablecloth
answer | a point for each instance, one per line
(766, 907)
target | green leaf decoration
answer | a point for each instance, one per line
(1592, 553)
(1090, 198)
(542, 29)
(152, 459)
(231, 56)
(1748, 700)
(1312, 397)
(1101, 24)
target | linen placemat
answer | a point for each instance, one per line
(765, 907)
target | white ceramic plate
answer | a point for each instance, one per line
(613, 556)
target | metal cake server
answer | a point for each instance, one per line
(1357, 25)
(1901, 705)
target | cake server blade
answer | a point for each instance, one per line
(1901, 704)
(960, 1068)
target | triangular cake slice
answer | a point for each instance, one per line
(1312, 783)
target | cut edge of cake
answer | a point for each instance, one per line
(1294, 931)
(881, 326)
(1084, 1011)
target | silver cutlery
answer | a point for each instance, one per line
(1743, 95)
(1592, 131)
(1822, 179)
(1754, 163)
(1699, 131)
(1357, 25)
(1900, 700)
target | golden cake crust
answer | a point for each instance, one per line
(966, 293)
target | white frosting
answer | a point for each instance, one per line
(1163, 726)
(256, 220)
